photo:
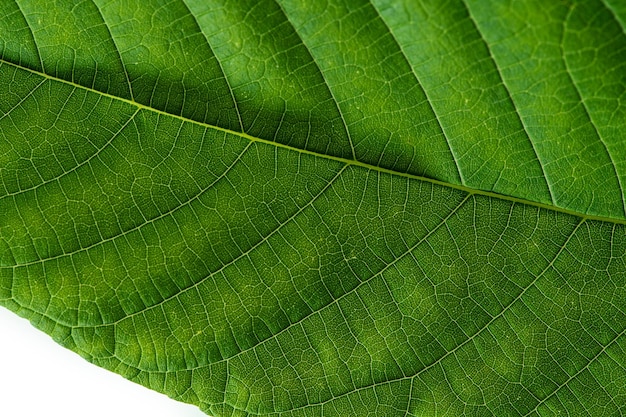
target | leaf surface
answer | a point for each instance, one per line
(386, 208)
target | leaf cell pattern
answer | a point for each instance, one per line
(385, 208)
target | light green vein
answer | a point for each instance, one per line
(336, 158)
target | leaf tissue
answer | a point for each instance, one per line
(326, 207)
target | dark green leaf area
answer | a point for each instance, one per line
(323, 208)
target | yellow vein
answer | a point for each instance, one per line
(346, 161)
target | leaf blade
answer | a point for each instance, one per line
(320, 259)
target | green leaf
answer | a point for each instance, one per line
(323, 208)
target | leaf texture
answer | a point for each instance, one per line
(323, 208)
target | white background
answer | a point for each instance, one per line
(40, 378)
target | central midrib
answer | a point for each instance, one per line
(343, 160)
